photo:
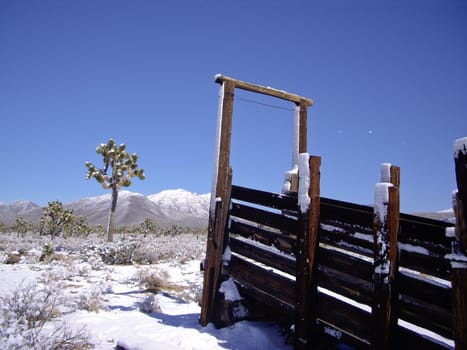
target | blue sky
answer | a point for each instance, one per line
(388, 78)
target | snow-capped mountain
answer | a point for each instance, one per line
(165, 208)
(26, 209)
(182, 203)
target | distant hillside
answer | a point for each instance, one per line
(167, 207)
(26, 209)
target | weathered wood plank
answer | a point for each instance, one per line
(218, 215)
(348, 264)
(386, 227)
(429, 316)
(459, 271)
(408, 339)
(341, 337)
(266, 256)
(284, 243)
(307, 265)
(344, 316)
(344, 284)
(275, 220)
(424, 232)
(432, 265)
(430, 292)
(349, 213)
(348, 238)
(267, 199)
(262, 304)
(267, 281)
(264, 90)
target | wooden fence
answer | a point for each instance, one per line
(342, 293)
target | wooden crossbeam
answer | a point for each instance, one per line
(264, 90)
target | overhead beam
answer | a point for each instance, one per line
(219, 78)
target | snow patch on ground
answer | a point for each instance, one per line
(118, 294)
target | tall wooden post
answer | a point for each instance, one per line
(306, 277)
(385, 227)
(218, 213)
(459, 263)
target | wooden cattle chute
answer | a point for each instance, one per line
(365, 275)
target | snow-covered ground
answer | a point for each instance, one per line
(150, 302)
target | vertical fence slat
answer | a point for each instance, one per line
(306, 278)
(459, 268)
(386, 226)
(218, 215)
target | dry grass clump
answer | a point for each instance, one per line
(155, 281)
(149, 305)
(23, 317)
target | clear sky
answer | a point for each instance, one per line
(389, 81)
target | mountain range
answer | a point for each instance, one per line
(168, 207)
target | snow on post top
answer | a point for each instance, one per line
(460, 146)
(386, 172)
(382, 199)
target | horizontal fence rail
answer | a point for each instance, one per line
(263, 234)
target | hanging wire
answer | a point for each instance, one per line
(262, 103)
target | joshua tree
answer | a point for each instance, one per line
(149, 226)
(21, 226)
(55, 218)
(123, 167)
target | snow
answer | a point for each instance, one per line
(386, 172)
(288, 176)
(171, 323)
(230, 290)
(296, 135)
(227, 256)
(413, 248)
(303, 181)
(460, 146)
(217, 149)
(182, 200)
(451, 232)
(382, 199)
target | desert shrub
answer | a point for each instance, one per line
(149, 305)
(78, 227)
(92, 301)
(48, 251)
(21, 226)
(112, 253)
(173, 230)
(24, 315)
(152, 280)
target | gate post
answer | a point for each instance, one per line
(459, 265)
(385, 229)
(307, 246)
(220, 201)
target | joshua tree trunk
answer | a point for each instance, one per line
(111, 224)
